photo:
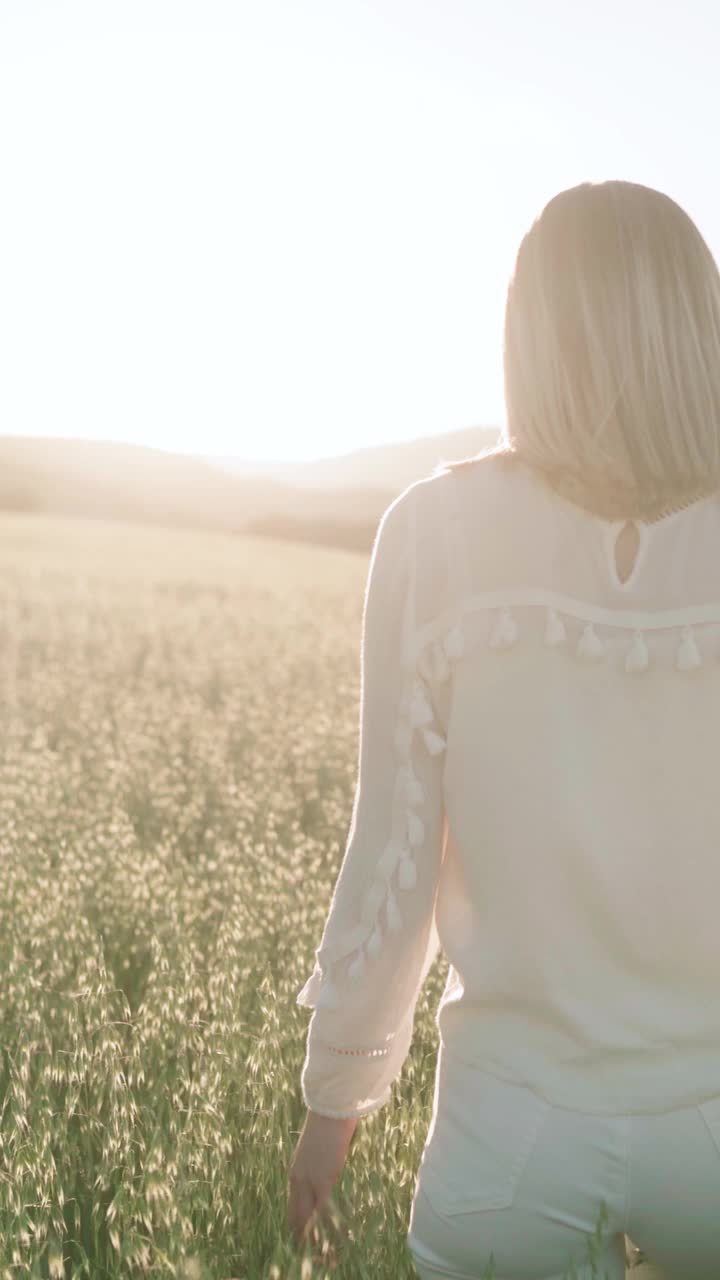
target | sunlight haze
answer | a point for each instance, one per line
(283, 230)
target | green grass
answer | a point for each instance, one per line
(177, 762)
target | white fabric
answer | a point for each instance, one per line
(538, 794)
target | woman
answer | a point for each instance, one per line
(538, 784)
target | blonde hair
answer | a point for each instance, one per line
(612, 352)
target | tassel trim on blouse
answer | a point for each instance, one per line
(504, 633)
(396, 870)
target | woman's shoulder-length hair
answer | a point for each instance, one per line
(611, 350)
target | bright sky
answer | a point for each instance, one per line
(285, 228)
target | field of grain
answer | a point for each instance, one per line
(177, 761)
(178, 749)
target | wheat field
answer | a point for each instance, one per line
(179, 716)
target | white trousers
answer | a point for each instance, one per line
(538, 1188)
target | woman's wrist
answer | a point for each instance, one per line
(338, 1124)
(339, 1130)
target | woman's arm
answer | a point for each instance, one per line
(379, 939)
(316, 1165)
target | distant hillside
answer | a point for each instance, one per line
(337, 501)
(131, 482)
(390, 467)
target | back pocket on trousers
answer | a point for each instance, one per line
(483, 1133)
(710, 1112)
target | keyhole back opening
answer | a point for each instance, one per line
(625, 551)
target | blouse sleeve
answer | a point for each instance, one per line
(380, 939)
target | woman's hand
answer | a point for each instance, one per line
(316, 1165)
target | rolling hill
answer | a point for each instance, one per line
(336, 500)
(389, 467)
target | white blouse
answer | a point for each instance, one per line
(538, 794)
